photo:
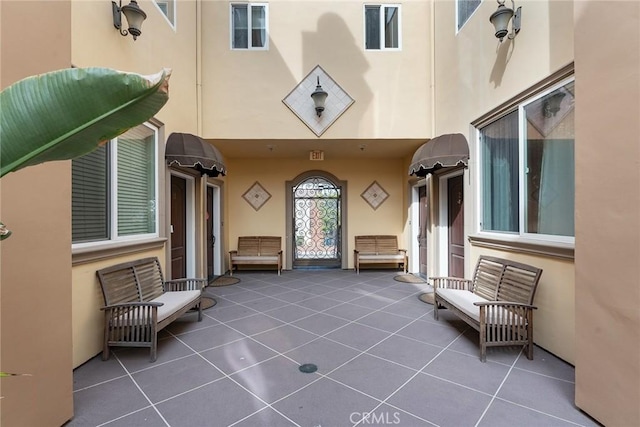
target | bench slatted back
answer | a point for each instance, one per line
(150, 279)
(366, 244)
(270, 245)
(377, 244)
(387, 245)
(486, 278)
(519, 282)
(248, 245)
(120, 282)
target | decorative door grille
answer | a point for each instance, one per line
(316, 223)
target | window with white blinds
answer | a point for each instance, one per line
(114, 189)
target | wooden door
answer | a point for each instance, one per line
(178, 227)
(455, 209)
(211, 239)
(422, 225)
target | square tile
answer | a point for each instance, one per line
(325, 403)
(284, 338)
(105, 402)
(221, 403)
(205, 339)
(226, 314)
(265, 417)
(238, 355)
(385, 321)
(320, 324)
(468, 371)
(348, 311)
(167, 380)
(502, 414)
(273, 379)
(548, 395)
(290, 313)
(254, 324)
(440, 402)
(373, 376)
(357, 336)
(325, 354)
(96, 371)
(405, 351)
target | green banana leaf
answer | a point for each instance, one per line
(65, 114)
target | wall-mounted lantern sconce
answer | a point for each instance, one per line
(319, 96)
(135, 16)
(500, 20)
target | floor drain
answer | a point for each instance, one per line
(308, 368)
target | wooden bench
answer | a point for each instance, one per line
(139, 303)
(257, 250)
(378, 249)
(497, 302)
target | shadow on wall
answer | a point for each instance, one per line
(334, 47)
(504, 52)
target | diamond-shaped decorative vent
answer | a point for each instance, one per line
(375, 195)
(300, 103)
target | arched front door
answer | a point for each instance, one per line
(316, 227)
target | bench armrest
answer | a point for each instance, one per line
(451, 283)
(234, 252)
(187, 284)
(504, 304)
(131, 304)
(402, 250)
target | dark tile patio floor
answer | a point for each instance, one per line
(381, 360)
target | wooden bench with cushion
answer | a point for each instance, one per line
(139, 303)
(378, 249)
(497, 302)
(257, 250)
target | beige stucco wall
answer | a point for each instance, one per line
(96, 42)
(475, 74)
(271, 218)
(35, 277)
(608, 210)
(243, 90)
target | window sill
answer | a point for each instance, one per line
(110, 250)
(524, 246)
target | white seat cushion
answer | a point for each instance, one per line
(463, 300)
(380, 257)
(273, 258)
(173, 301)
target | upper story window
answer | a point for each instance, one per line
(527, 168)
(464, 10)
(249, 28)
(168, 7)
(114, 189)
(382, 27)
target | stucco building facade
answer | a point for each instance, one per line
(435, 72)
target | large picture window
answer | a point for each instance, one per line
(382, 27)
(114, 189)
(249, 26)
(527, 168)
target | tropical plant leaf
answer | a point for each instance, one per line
(4, 233)
(68, 113)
